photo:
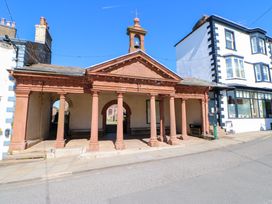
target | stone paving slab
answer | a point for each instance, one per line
(52, 168)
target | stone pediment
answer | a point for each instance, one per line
(134, 65)
(136, 69)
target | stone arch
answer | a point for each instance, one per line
(104, 114)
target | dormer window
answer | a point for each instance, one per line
(230, 42)
(258, 45)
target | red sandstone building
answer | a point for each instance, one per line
(150, 99)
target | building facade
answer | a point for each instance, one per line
(221, 51)
(17, 53)
(150, 99)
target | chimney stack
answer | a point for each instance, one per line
(42, 34)
(7, 28)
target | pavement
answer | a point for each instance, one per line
(47, 169)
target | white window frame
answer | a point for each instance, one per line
(262, 70)
(236, 67)
(231, 39)
(258, 45)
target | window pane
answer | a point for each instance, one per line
(237, 70)
(229, 68)
(242, 70)
(243, 107)
(261, 108)
(231, 104)
(254, 44)
(258, 73)
(265, 73)
(254, 108)
(229, 40)
(268, 108)
(261, 45)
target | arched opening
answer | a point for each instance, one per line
(137, 42)
(55, 117)
(109, 115)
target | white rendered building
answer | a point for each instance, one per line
(221, 51)
(17, 53)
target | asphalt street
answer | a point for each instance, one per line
(236, 174)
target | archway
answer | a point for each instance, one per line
(55, 117)
(109, 112)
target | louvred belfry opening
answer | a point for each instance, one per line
(136, 36)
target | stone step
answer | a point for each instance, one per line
(26, 155)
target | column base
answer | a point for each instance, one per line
(184, 137)
(60, 144)
(94, 147)
(153, 143)
(17, 146)
(120, 145)
(162, 139)
(173, 141)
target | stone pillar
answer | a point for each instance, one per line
(173, 131)
(119, 144)
(203, 107)
(153, 129)
(94, 146)
(60, 130)
(207, 113)
(162, 122)
(183, 120)
(18, 139)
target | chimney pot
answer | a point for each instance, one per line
(13, 24)
(8, 23)
(3, 21)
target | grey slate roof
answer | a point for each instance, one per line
(53, 69)
(190, 81)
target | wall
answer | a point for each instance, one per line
(192, 54)
(7, 96)
(243, 49)
(38, 121)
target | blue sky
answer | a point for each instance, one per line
(87, 32)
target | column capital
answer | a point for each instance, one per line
(184, 99)
(153, 94)
(120, 93)
(95, 92)
(172, 95)
(22, 93)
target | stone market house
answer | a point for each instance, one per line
(150, 99)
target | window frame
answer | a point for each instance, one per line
(258, 38)
(241, 67)
(260, 97)
(233, 39)
(262, 65)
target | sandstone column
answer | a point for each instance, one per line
(203, 116)
(162, 122)
(18, 139)
(153, 129)
(173, 132)
(119, 144)
(207, 114)
(94, 146)
(60, 130)
(183, 120)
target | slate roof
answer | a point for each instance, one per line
(52, 69)
(190, 81)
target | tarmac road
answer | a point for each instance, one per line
(235, 174)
